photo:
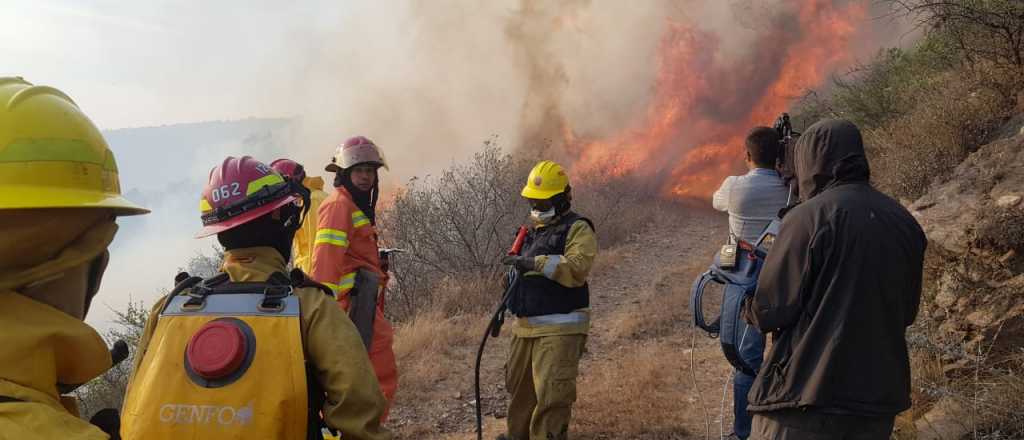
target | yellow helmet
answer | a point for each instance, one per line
(51, 154)
(547, 179)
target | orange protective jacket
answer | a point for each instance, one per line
(346, 242)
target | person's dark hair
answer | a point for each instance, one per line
(763, 145)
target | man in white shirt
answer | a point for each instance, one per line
(752, 200)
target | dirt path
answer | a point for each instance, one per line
(635, 380)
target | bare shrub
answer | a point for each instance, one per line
(107, 391)
(205, 265)
(455, 226)
(987, 35)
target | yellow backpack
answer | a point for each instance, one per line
(225, 361)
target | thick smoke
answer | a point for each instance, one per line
(660, 89)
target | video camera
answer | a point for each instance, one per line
(784, 163)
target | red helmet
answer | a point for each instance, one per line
(289, 169)
(356, 150)
(241, 190)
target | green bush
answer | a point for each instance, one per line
(922, 110)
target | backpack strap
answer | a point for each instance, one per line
(299, 279)
(589, 223)
(277, 287)
(697, 307)
(182, 281)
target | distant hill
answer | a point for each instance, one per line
(164, 168)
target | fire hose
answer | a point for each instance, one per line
(494, 327)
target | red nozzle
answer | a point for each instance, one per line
(518, 244)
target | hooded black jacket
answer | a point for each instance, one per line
(839, 288)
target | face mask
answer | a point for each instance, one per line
(542, 217)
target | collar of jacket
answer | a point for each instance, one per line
(345, 194)
(253, 264)
(43, 346)
(313, 183)
(762, 172)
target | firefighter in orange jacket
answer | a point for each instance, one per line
(346, 257)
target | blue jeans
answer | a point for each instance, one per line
(752, 351)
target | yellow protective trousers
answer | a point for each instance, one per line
(541, 377)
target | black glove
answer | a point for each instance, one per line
(524, 264)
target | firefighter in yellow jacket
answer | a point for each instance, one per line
(252, 352)
(59, 197)
(305, 238)
(551, 302)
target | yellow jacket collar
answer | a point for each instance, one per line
(253, 264)
(43, 346)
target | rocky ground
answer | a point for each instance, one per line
(972, 317)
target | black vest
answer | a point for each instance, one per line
(536, 294)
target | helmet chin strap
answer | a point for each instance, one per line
(294, 221)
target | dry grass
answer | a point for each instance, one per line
(982, 398)
(640, 390)
(608, 259)
(425, 346)
(466, 295)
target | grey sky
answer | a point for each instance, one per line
(155, 62)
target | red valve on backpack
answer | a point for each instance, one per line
(520, 238)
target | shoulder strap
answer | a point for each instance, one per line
(299, 279)
(277, 287)
(182, 281)
(572, 217)
(589, 223)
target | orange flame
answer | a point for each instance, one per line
(691, 136)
